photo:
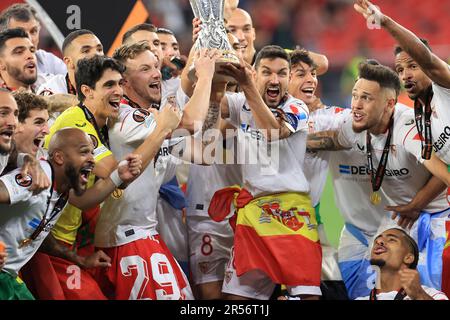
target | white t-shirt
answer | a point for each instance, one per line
(316, 163)
(19, 220)
(48, 63)
(132, 215)
(283, 170)
(404, 175)
(440, 122)
(433, 293)
(3, 162)
(54, 85)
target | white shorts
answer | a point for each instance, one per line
(210, 243)
(256, 284)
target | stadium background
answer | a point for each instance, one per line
(330, 27)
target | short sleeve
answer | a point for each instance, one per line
(135, 125)
(297, 114)
(17, 185)
(346, 136)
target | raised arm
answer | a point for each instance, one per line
(435, 68)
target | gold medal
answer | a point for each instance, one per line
(117, 194)
(25, 243)
(375, 198)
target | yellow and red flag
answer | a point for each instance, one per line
(276, 234)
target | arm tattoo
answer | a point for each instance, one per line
(326, 140)
(52, 247)
(212, 116)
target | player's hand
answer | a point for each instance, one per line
(97, 259)
(196, 27)
(410, 281)
(408, 214)
(31, 166)
(175, 71)
(243, 73)
(3, 255)
(169, 117)
(371, 13)
(205, 62)
(130, 168)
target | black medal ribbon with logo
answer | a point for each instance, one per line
(427, 148)
(59, 205)
(103, 132)
(377, 178)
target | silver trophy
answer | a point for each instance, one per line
(213, 34)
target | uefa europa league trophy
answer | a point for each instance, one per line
(213, 34)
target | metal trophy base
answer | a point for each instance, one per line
(217, 77)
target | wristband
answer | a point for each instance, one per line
(114, 176)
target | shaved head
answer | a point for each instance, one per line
(67, 138)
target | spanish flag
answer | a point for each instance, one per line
(276, 234)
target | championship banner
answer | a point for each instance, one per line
(108, 19)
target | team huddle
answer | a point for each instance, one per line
(94, 149)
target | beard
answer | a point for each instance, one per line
(74, 180)
(377, 262)
(4, 151)
(19, 75)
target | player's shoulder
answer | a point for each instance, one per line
(55, 84)
(294, 105)
(72, 117)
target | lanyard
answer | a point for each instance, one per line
(401, 294)
(377, 178)
(418, 113)
(102, 133)
(59, 205)
(70, 88)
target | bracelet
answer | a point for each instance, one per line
(114, 176)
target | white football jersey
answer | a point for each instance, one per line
(204, 181)
(48, 63)
(19, 219)
(54, 85)
(440, 122)
(404, 174)
(316, 163)
(277, 166)
(129, 214)
(433, 293)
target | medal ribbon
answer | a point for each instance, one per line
(418, 113)
(377, 179)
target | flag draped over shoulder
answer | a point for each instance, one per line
(276, 234)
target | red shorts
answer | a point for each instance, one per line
(143, 269)
(53, 278)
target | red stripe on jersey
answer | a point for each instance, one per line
(408, 135)
(123, 121)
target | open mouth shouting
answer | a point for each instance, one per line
(6, 135)
(155, 86)
(357, 116)
(410, 86)
(85, 171)
(273, 93)
(308, 92)
(38, 143)
(115, 104)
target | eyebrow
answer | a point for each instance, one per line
(111, 82)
